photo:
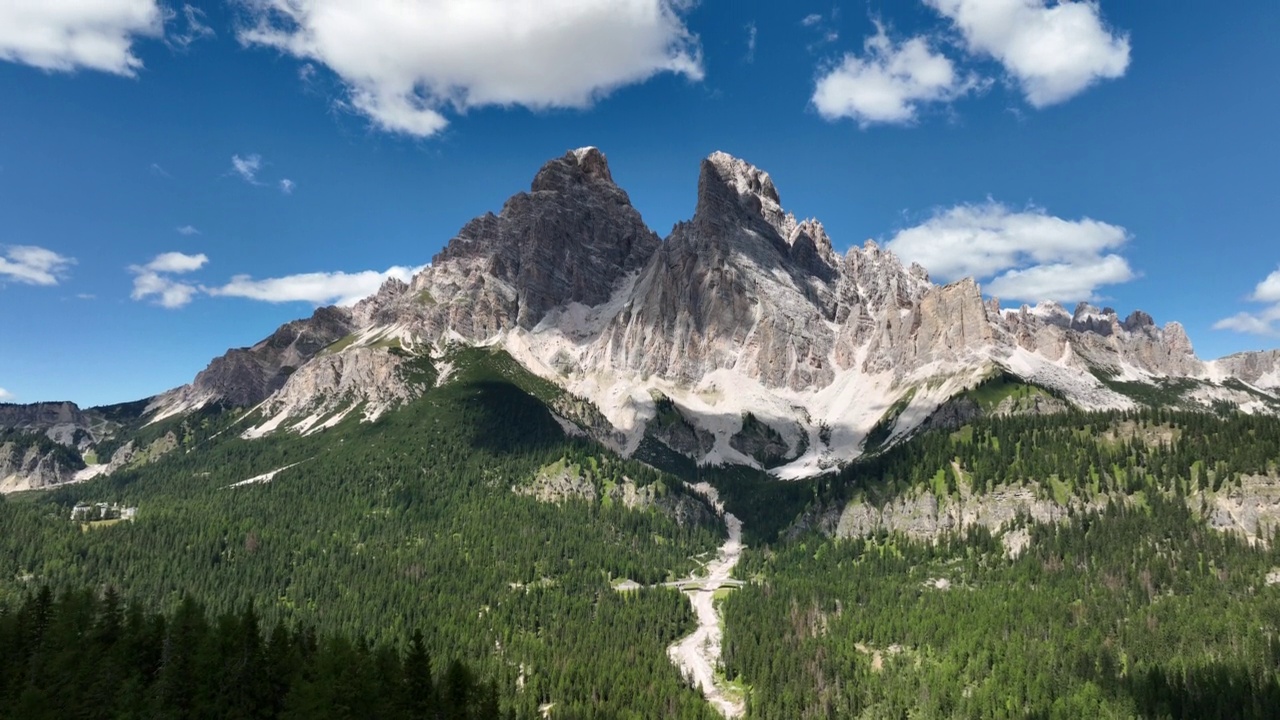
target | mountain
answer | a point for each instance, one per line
(525, 462)
(743, 337)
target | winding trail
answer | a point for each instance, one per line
(697, 655)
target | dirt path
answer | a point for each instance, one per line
(698, 655)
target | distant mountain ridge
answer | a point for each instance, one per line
(742, 329)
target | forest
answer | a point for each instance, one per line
(1139, 610)
(376, 545)
(85, 654)
(377, 531)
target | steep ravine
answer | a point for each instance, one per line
(698, 654)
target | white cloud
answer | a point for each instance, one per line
(889, 83)
(405, 64)
(1028, 255)
(196, 28)
(1268, 290)
(1266, 322)
(61, 35)
(153, 279)
(319, 288)
(176, 262)
(33, 265)
(168, 292)
(1055, 50)
(188, 230)
(5, 395)
(287, 186)
(247, 167)
(811, 20)
(752, 33)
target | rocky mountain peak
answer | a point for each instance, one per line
(579, 166)
(571, 239)
(731, 188)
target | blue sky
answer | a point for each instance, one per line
(179, 179)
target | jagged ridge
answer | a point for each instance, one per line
(742, 310)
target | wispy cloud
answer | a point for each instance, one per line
(890, 82)
(33, 265)
(1263, 322)
(318, 288)
(405, 65)
(287, 186)
(1027, 255)
(159, 171)
(5, 395)
(188, 230)
(247, 167)
(154, 279)
(194, 30)
(752, 34)
(89, 34)
(823, 26)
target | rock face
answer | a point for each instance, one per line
(1260, 369)
(569, 240)
(332, 385)
(742, 286)
(63, 422)
(247, 376)
(560, 482)
(922, 517)
(1251, 509)
(28, 464)
(742, 310)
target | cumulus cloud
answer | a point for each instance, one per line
(405, 64)
(247, 167)
(154, 280)
(1268, 290)
(320, 288)
(889, 82)
(65, 36)
(5, 395)
(287, 186)
(1027, 255)
(33, 265)
(1264, 322)
(1053, 49)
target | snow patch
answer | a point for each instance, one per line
(265, 477)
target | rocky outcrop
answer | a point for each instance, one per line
(757, 440)
(331, 385)
(1260, 369)
(923, 517)
(1250, 509)
(63, 422)
(32, 463)
(246, 376)
(562, 481)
